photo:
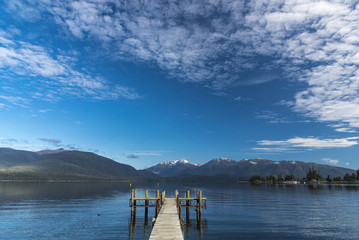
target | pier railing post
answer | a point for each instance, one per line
(133, 211)
(163, 196)
(146, 204)
(157, 203)
(178, 204)
(133, 201)
(199, 207)
(187, 205)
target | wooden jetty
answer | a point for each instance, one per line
(167, 221)
(168, 225)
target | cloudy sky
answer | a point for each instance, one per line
(147, 81)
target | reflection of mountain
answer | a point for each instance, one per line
(63, 191)
(246, 168)
(64, 165)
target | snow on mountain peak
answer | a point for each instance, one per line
(175, 162)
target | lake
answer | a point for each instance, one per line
(240, 211)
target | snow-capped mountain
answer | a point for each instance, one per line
(173, 168)
(244, 168)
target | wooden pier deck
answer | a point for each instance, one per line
(167, 213)
(167, 226)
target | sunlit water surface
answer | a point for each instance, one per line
(241, 211)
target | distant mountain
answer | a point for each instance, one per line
(246, 168)
(173, 168)
(64, 165)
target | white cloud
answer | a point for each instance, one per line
(347, 164)
(13, 143)
(55, 76)
(331, 161)
(271, 116)
(148, 154)
(308, 143)
(214, 42)
(45, 110)
(17, 101)
(348, 130)
(274, 149)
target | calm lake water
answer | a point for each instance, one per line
(242, 211)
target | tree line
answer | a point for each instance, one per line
(312, 176)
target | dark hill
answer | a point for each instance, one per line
(64, 165)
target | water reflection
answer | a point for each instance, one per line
(138, 225)
(101, 211)
(58, 191)
(193, 226)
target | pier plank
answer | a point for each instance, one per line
(167, 226)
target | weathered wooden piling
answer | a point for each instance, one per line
(187, 205)
(133, 201)
(166, 218)
(199, 203)
(146, 204)
(157, 203)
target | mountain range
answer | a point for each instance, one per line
(245, 168)
(63, 164)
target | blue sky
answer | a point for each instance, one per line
(143, 82)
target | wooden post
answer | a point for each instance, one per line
(156, 208)
(163, 197)
(146, 205)
(179, 208)
(133, 201)
(157, 203)
(133, 212)
(199, 207)
(177, 203)
(187, 206)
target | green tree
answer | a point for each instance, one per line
(255, 178)
(289, 177)
(337, 179)
(358, 174)
(280, 178)
(348, 177)
(313, 175)
(328, 179)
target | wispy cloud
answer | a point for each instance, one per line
(305, 143)
(57, 143)
(52, 76)
(45, 110)
(13, 143)
(145, 153)
(331, 161)
(18, 101)
(214, 42)
(206, 42)
(347, 130)
(272, 117)
(53, 142)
